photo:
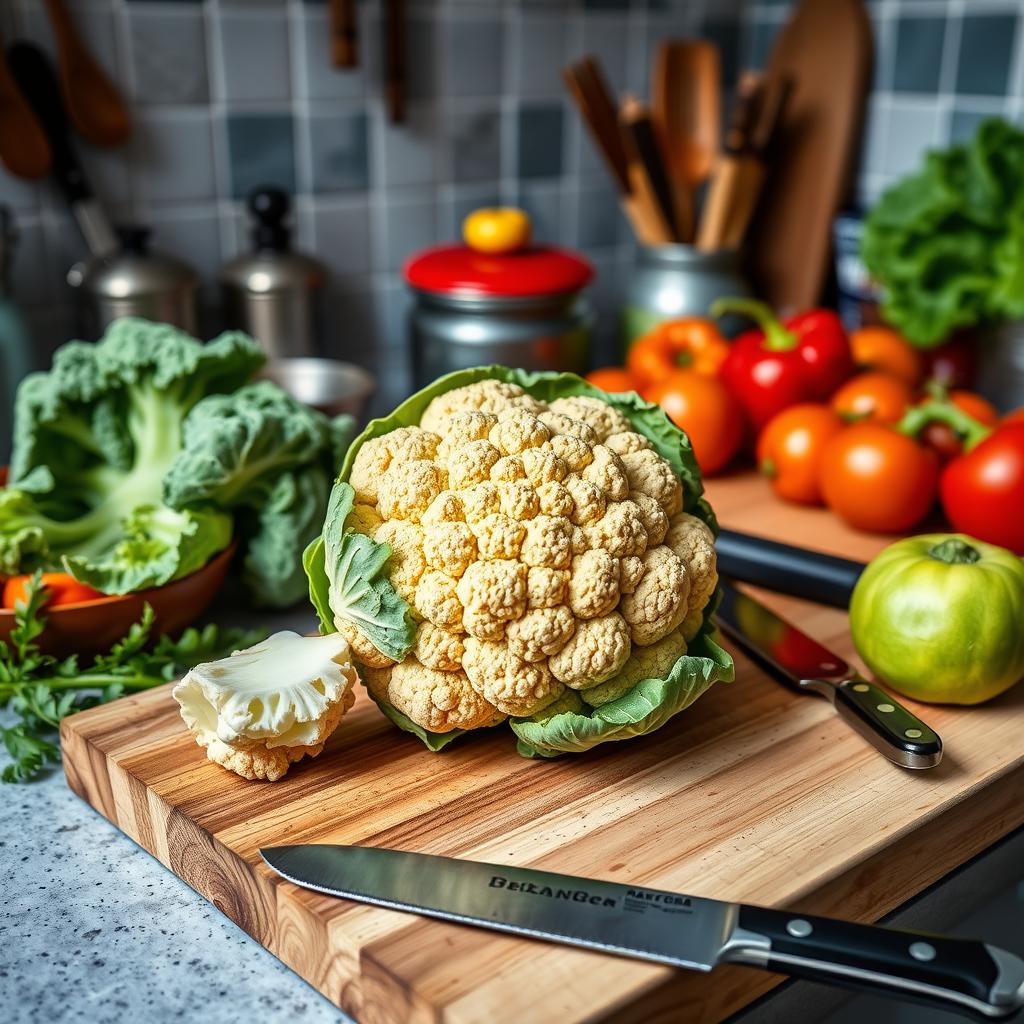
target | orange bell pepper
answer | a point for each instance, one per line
(692, 343)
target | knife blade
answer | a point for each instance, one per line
(662, 926)
(797, 659)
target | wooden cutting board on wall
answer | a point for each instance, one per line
(825, 51)
(755, 793)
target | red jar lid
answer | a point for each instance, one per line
(459, 270)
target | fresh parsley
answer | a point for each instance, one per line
(41, 689)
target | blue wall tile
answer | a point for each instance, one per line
(262, 152)
(475, 57)
(986, 51)
(339, 152)
(475, 145)
(919, 45)
(254, 55)
(169, 55)
(540, 141)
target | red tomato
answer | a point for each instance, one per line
(983, 491)
(942, 438)
(612, 379)
(703, 407)
(876, 397)
(877, 479)
(954, 364)
(63, 589)
(789, 450)
(1017, 416)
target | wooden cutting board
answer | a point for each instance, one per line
(755, 793)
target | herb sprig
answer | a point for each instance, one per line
(41, 689)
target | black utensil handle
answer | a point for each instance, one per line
(960, 974)
(790, 570)
(887, 725)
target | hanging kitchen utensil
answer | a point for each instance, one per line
(24, 150)
(825, 52)
(687, 114)
(649, 184)
(34, 75)
(344, 33)
(395, 59)
(15, 343)
(93, 104)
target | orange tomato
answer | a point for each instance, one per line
(690, 343)
(703, 407)
(62, 589)
(789, 450)
(878, 479)
(496, 229)
(875, 397)
(974, 405)
(881, 348)
(611, 379)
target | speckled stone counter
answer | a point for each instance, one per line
(92, 928)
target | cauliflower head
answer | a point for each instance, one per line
(270, 705)
(524, 543)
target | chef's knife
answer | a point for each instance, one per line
(666, 927)
(802, 662)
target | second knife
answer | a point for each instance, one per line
(802, 662)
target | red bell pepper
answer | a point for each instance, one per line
(803, 360)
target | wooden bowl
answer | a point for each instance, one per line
(90, 627)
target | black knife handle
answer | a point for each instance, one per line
(790, 570)
(958, 974)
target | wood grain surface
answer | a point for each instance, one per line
(755, 793)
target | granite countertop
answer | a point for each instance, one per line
(92, 928)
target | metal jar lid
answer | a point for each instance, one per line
(133, 271)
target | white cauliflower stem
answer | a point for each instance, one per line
(269, 705)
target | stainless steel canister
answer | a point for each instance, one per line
(450, 332)
(670, 281)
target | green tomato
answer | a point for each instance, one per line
(940, 617)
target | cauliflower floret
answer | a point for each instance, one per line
(450, 547)
(490, 396)
(604, 419)
(692, 540)
(559, 423)
(445, 508)
(364, 519)
(518, 499)
(376, 455)
(543, 466)
(548, 542)
(576, 453)
(437, 701)
(545, 587)
(620, 531)
(579, 541)
(631, 571)
(408, 487)
(555, 500)
(471, 464)
(517, 430)
(626, 441)
(494, 591)
(437, 601)
(499, 536)
(540, 632)
(513, 686)
(407, 562)
(588, 500)
(596, 652)
(507, 469)
(437, 648)
(263, 708)
(593, 584)
(654, 518)
(658, 604)
(648, 473)
(462, 428)
(365, 653)
(608, 473)
(479, 501)
(654, 662)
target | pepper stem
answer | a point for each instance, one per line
(776, 337)
(966, 427)
(955, 551)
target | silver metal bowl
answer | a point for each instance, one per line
(329, 385)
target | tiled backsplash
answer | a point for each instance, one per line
(228, 94)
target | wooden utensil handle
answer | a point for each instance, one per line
(344, 34)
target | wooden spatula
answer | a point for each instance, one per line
(686, 106)
(94, 106)
(24, 149)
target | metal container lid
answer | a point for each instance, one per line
(134, 271)
(458, 271)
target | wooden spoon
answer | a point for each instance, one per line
(94, 105)
(687, 114)
(24, 149)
